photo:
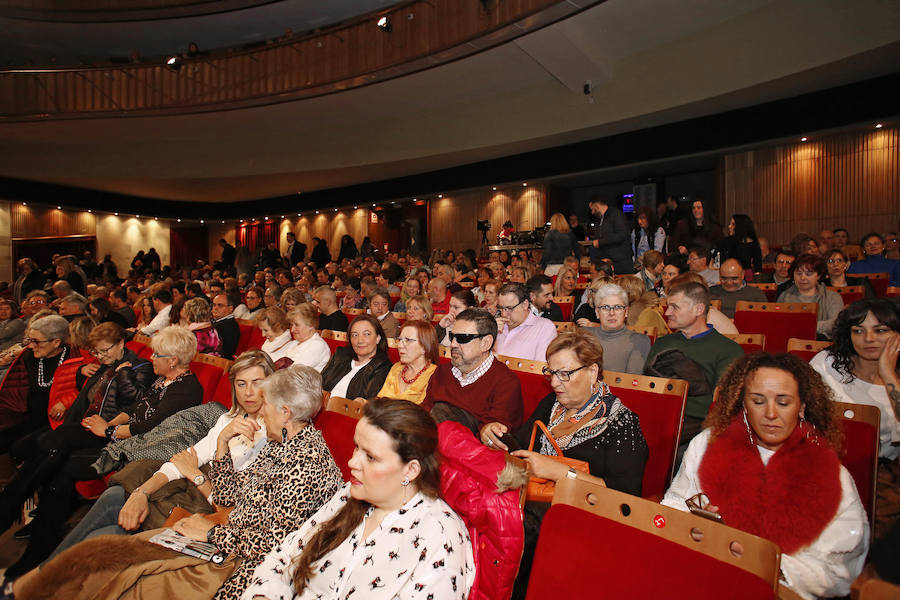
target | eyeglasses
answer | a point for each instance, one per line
(98, 352)
(36, 301)
(465, 338)
(785, 261)
(831, 261)
(406, 341)
(561, 374)
(154, 356)
(509, 308)
(28, 341)
(611, 309)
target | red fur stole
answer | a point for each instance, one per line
(789, 501)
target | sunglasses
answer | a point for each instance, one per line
(464, 338)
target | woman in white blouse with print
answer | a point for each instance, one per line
(116, 513)
(386, 533)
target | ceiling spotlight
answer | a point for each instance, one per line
(137, 216)
(267, 218)
(494, 188)
(803, 139)
(335, 210)
(317, 212)
(89, 210)
(373, 206)
(440, 195)
(173, 63)
(202, 221)
(298, 214)
(59, 208)
(414, 199)
(282, 216)
(116, 214)
(878, 125)
(179, 220)
(355, 207)
(157, 219)
(26, 204)
(223, 222)
(524, 185)
(242, 220)
(384, 24)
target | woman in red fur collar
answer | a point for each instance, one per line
(767, 462)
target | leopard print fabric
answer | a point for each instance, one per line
(274, 495)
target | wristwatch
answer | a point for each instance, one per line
(109, 431)
(572, 473)
(199, 480)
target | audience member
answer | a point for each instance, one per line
(279, 344)
(411, 287)
(460, 300)
(475, 388)
(12, 328)
(651, 268)
(439, 296)
(162, 306)
(698, 229)
(742, 244)
(775, 431)
(781, 276)
(330, 317)
(559, 242)
(836, 264)
(197, 317)
(380, 308)
(808, 271)
(491, 296)
(118, 301)
(73, 306)
(359, 370)
(30, 279)
(311, 349)
(646, 235)
(695, 352)
(253, 304)
(698, 262)
(418, 308)
(732, 288)
(419, 351)
(540, 294)
(624, 351)
(874, 261)
(521, 333)
(295, 251)
(566, 282)
(229, 331)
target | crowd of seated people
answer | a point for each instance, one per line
(657, 318)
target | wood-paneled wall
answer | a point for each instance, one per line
(329, 225)
(38, 221)
(452, 219)
(849, 180)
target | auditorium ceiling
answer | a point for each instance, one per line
(650, 64)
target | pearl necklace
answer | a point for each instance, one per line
(40, 374)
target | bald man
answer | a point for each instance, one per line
(330, 317)
(439, 296)
(733, 288)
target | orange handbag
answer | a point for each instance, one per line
(541, 490)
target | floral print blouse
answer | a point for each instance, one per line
(421, 551)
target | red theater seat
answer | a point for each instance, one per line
(209, 370)
(337, 422)
(535, 386)
(806, 349)
(770, 290)
(646, 551)
(566, 305)
(878, 281)
(850, 293)
(861, 424)
(778, 321)
(249, 331)
(334, 339)
(750, 342)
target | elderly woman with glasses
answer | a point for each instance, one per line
(116, 401)
(419, 350)
(625, 350)
(808, 274)
(587, 421)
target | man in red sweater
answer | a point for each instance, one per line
(474, 389)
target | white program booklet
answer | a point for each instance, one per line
(169, 538)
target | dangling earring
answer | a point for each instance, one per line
(405, 482)
(749, 431)
(284, 435)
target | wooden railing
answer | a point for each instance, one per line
(425, 34)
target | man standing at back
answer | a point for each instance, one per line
(295, 252)
(695, 352)
(523, 334)
(475, 388)
(612, 236)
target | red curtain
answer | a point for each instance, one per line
(255, 235)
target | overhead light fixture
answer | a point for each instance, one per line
(414, 199)
(524, 185)
(137, 216)
(384, 24)
(355, 207)
(495, 188)
(223, 222)
(116, 214)
(59, 208)
(282, 216)
(26, 204)
(179, 220)
(335, 210)
(173, 63)
(202, 221)
(373, 206)
(440, 195)
(298, 214)
(267, 218)
(157, 219)
(89, 210)
(878, 125)
(317, 212)
(803, 139)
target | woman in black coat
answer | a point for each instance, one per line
(359, 370)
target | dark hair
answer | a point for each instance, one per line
(415, 437)
(862, 241)
(178, 285)
(652, 224)
(841, 350)
(376, 324)
(466, 297)
(696, 292)
(800, 243)
(820, 411)
(743, 228)
(701, 251)
(485, 323)
(103, 307)
(535, 283)
(119, 293)
(517, 289)
(232, 297)
(841, 229)
(164, 296)
(813, 262)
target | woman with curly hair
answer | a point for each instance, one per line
(860, 367)
(767, 463)
(196, 315)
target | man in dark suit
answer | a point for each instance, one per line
(228, 254)
(223, 320)
(30, 279)
(296, 251)
(611, 235)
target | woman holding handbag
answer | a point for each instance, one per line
(586, 422)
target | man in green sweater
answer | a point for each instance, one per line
(713, 353)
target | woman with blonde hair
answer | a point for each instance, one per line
(559, 242)
(566, 282)
(418, 308)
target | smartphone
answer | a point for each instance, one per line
(510, 441)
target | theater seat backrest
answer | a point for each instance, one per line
(806, 349)
(249, 331)
(750, 342)
(566, 305)
(352, 313)
(769, 289)
(647, 550)
(659, 405)
(878, 281)
(334, 339)
(222, 393)
(445, 355)
(209, 370)
(393, 353)
(337, 422)
(861, 424)
(850, 293)
(778, 321)
(535, 386)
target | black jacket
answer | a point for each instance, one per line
(229, 333)
(125, 388)
(366, 383)
(613, 237)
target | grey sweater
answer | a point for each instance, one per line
(830, 304)
(623, 350)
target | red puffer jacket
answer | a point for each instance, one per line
(469, 472)
(65, 387)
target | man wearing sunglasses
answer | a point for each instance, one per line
(474, 389)
(523, 334)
